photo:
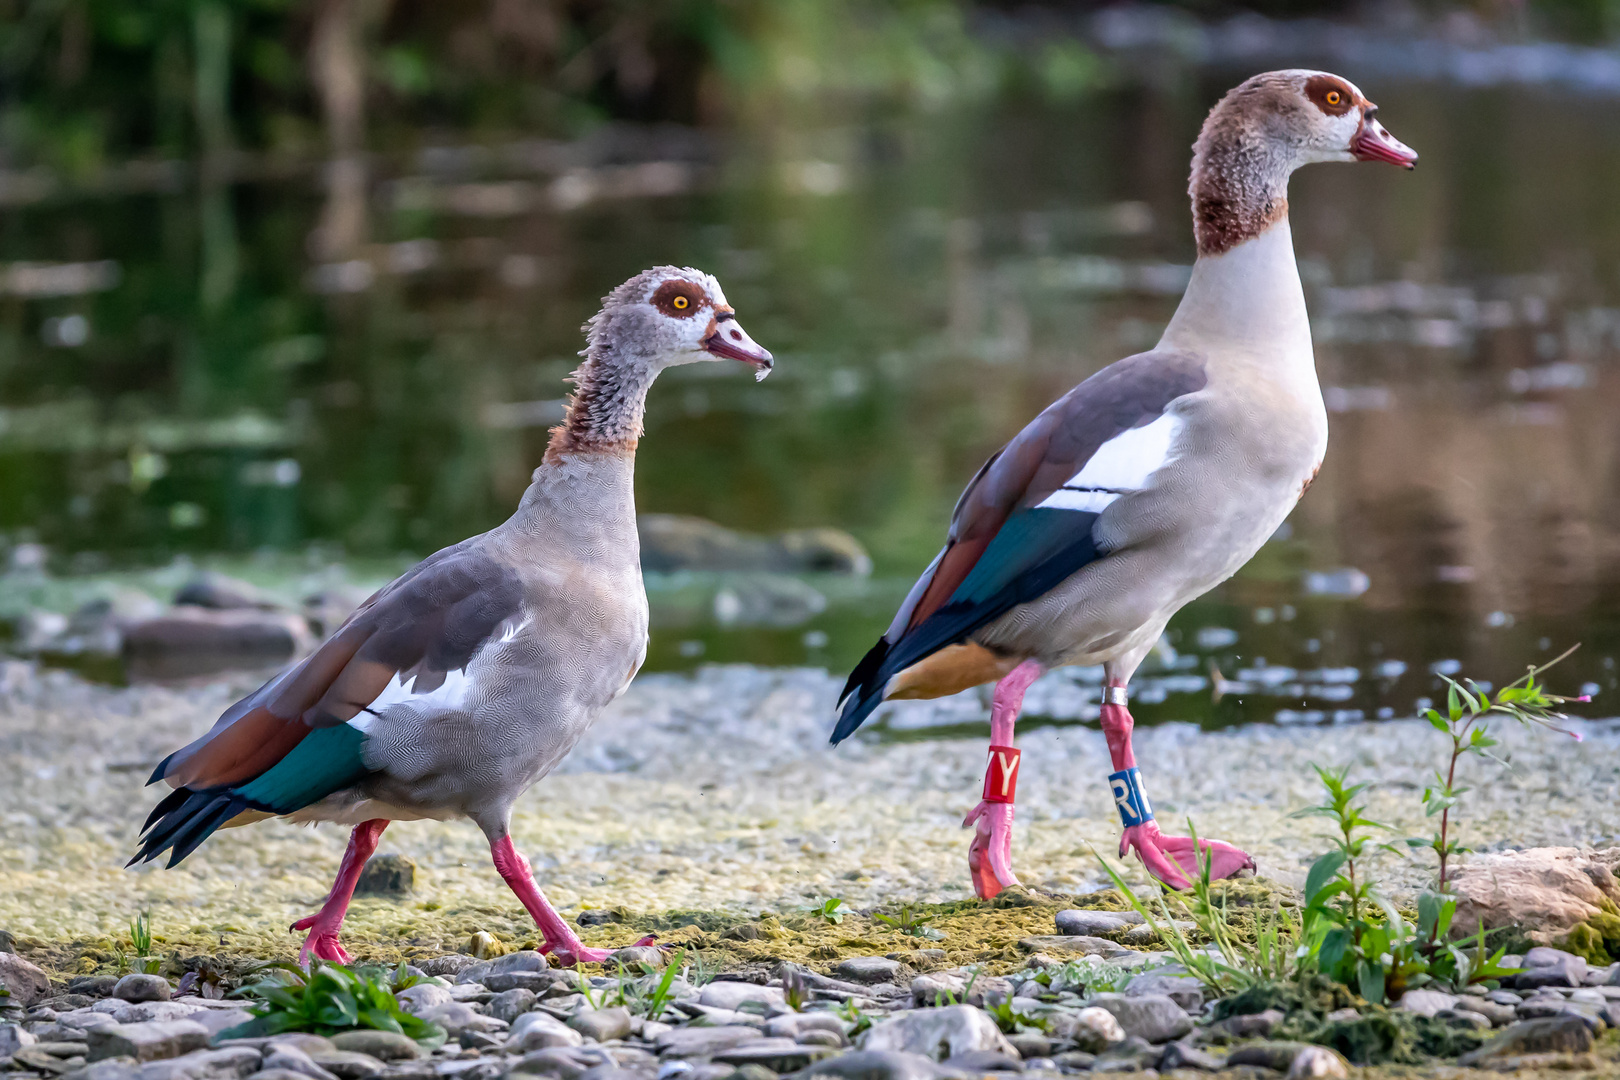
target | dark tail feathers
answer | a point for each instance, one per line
(184, 819)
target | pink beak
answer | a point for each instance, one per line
(1373, 143)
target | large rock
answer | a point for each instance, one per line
(603, 1025)
(1318, 1061)
(423, 996)
(1426, 1002)
(382, 1045)
(508, 1005)
(938, 1033)
(457, 1017)
(231, 1063)
(220, 592)
(1542, 889)
(1555, 1034)
(146, 1042)
(25, 982)
(1550, 967)
(701, 1042)
(286, 1056)
(14, 1038)
(671, 542)
(197, 641)
(1154, 1017)
(1184, 990)
(868, 969)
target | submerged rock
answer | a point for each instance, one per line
(1545, 889)
(391, 875)
(671, 542)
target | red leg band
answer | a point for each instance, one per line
(1001, 775)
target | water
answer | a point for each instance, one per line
(300, 380)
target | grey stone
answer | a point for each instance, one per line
(347, 1064)
(613, 1071)
(602, 1024)
(869, 969)
(1267, 1054)
(777, 1055)
(421, 997)
(1147, 935)
(876, 1065)
(277, 1074)
(382, 1045)
(731, 995)
(1074, 1061)
(1082, 922)
(145, 1012)
(1462, 1018)
(566, 1063)
(1426, 1002)
(791, 1025)
(1154, 1017)
(25, 982)
(148, 1041)
(288, 1057)
(391, 876)
(535, 982)
(220, 1020)
(1550, 967)
(962, 985)
(938, 1033)
(540, 1031)
(1318, 1061)
(231, 1063)
(1132, 1055)
(196, 641)
(450, 964)
(633, 956)
(510, 1004)
(14, 1038)
(1251, 1026)
(96, 986)
(671, 542)
(1184, 1055)
(137, 988)
(703, 1042)
(1496, 1013)
(108, 1069)
(1030, 1044)
(1184, 990)
(1090, 1029)
(456, 1017)
(1067, 945)
(304, 1041)
(219, 592)
(1558, 1034)
(1503, 997)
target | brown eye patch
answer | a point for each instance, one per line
(1333, 96)
(680, 299)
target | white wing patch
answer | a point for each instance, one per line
(449, 696)
(1121, 465)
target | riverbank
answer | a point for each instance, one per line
(715, 792)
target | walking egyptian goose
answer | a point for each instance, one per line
(456, 687)
(1145, 486)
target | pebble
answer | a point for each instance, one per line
(25, 982)
(938, 1033)
(1560, 1034)
(777, 1055)
(287, 1056)
(540, 1031)
(1185, 1055)
(1317, 1061)
(1184, 990)
(421, 997)
(1497, 1013)
(1080, 922)
(875, 1065)
(391, 876)
(1135, 1054)
(139, 987)
(510, 1004)
(231, 1063)
(1067, 945)
(1426, 1002)
(691, 1042)
(1154, 1017)
(347, 1064)
(732, 995)
(1091, 1029)
(384, 1045)
(868, 969)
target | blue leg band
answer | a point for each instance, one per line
(1126, 787)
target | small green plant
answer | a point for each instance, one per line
(140, 940)
(946, 997)
(1465, 722)
(828, 910)
(912, 924)
(850, 1013)
(327, 999)
(647, 994)
(1010, 1017)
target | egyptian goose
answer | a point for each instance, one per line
(456, 687)
(1145, 486)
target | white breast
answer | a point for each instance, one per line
(1121, 465)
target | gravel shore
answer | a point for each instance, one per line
(715, 792)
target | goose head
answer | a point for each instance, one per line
(671, 315)
(1265, 128)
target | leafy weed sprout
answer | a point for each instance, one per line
(328, 999)
(911, 924)
(828, 910)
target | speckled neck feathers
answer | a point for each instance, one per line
(606, 407)
(1240, 171)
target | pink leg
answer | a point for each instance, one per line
(323, 926)
(1171, 859)
(560, 939)
(990, 853)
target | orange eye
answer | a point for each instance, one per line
(1334, 97)
(680, 303)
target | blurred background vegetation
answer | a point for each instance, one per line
(292, 286)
